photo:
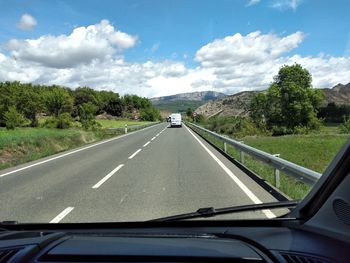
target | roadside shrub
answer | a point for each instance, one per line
(235, 126)
(199, 118)
(150, 114)
(13, 118)
(301, 130)
(345, 127)
(280, 130)
(87, 116)
(64, 121)
(50, 122)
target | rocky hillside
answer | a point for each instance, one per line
(237, 104)
(193, 96)
(340, 94)
(181, 102)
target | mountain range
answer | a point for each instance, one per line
(181, 102)
(238, 103)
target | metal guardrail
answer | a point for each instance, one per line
(298, 172)
(127, 128)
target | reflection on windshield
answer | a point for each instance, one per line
(134, 110)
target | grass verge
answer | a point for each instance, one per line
(120, 123)
(314, 151)
(28, 144)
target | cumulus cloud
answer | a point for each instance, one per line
(286, 4)
(83, 45)
(252, 48)
(250, 62)
(92, 56)
(27, 22)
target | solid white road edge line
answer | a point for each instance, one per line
(146, 144)
(241, 185)
(104, 179)
(62, 214)
(74, 151)
(133, 155)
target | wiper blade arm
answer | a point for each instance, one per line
(211, 211)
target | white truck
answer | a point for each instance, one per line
(175, 120)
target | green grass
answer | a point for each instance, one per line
(121, 123)
(17, 136)
(28, 144)
(313, 151)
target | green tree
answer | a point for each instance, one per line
(8, 92)
(150, 114)
(84, 95)
(87, 113)
(345, 127)
(13, 118)
(115, 107)
(58, 100)
(257, 108)
(189, 112)
(290, 102)
(29, 102)
(64, 121)
(108, 101)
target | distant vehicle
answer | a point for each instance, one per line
(175, 120)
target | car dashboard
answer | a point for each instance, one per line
(218, 244)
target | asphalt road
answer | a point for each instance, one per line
(155, 172)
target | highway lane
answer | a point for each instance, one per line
(156, 172)
(39, 193)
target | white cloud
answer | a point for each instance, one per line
(27, 22)
(83, 45)
(250, 62)
(286, 4)
(89, 56)
(252, 48)
(252, 2)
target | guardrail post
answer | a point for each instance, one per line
(277, 174)
(126, 129)
(241, 154)
(225, 147)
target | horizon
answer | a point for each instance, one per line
(163, 48)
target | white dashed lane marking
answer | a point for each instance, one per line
(134, 154)
(61, 215)
(104, 179)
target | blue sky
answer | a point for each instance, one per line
(172, 32)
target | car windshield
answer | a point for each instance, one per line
(120, 111)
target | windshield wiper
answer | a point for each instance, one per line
(211, 211)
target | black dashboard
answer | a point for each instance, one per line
(172, 244)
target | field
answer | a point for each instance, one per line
(314, 151)
(121, 123)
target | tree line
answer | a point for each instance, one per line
(24, 102)
(334, 113)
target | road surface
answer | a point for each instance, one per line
(155, 172)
